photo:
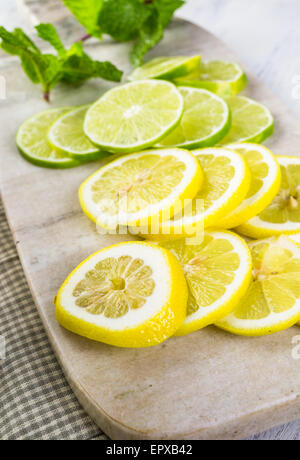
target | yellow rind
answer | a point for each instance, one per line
(234, 220)
(188, 193)
(259, 332)
(190, 230)
(150, 333)
(259, 232)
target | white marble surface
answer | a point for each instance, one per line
(266, 36)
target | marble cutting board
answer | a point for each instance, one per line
(208, 385)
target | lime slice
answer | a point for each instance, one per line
(132, 117)
(166, 68)
(33, 144)
(129, 295)
(66, 134)
(221, 77)
(139, 187)
(206, 120)
(283, 214)
(251, 121)
(272, 302)
(218, 273)
(265, 183)
(226, 183)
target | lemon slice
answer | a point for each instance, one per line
(66, 134)
(218, 273)
(272, 302)
(206, 120)
(251, 121)
(132, 117)
(226, 183)
(139, 187)
(166, 68)
(33, 144)
(265, 183)
(283, 214)
(221, 77)
(128, 295)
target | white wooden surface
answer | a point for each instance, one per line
(266, 35)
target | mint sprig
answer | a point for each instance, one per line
(71, 65)
(87, 12)
(142, 21)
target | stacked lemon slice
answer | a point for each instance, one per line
(206, 172)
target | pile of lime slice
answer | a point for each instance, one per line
(187, 166)
(169, 102)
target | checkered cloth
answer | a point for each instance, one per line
(36, 401)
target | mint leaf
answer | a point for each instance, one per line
(38, 67)
(126, 20)
(122, 20)
(141, 20)
(149, 35)
(78, 66)
(86, 12)
(69, 66)
(48, 33)
(25, 40)
(152, 30)
(166, 9)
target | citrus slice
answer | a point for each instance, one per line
(66, 134)
(251, 121)
(206, 120)
(134, 116)
(218, 273)
(166, 68)
(272, 302)
(226, 183)
(221, 77)
(265, 183)
(129, 295)
(283, 214)
(33, 144)
(139, 187)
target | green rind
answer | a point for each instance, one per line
(261, 137)
(258, 138)
(182, 70)
(95, 155)
(46, 163)
(63, 164)
(133, 149)
(222, 89)
(139, 147)
(209, 141)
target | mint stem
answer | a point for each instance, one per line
(84, 38)
(46, 95)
